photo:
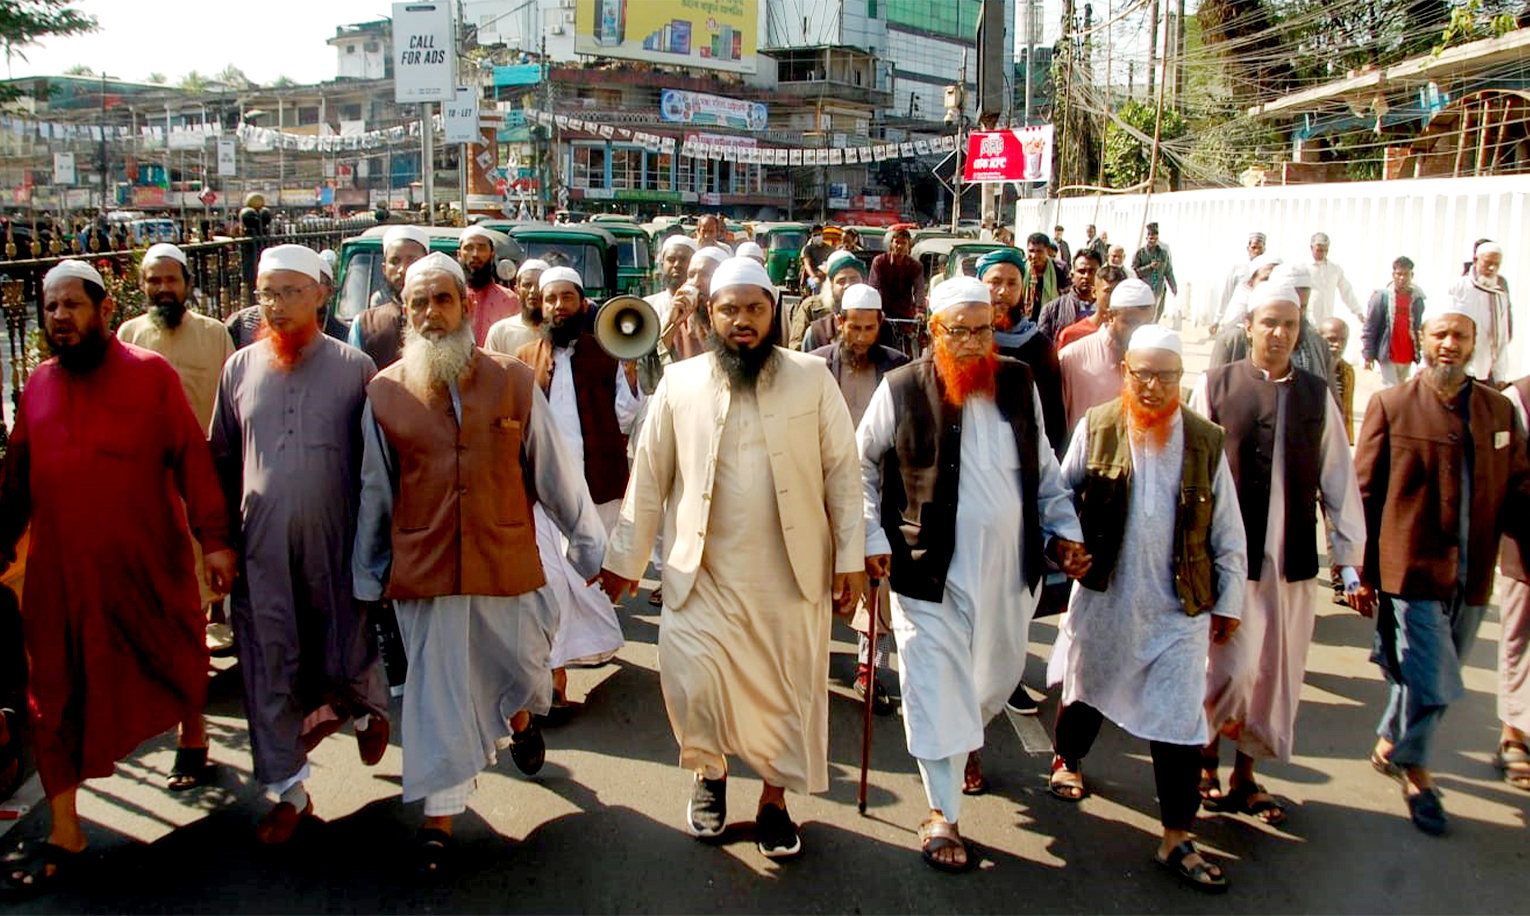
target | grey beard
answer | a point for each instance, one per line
(167, 315)
(432, 365)
(1444, 378)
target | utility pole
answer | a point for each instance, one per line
(427, 163)
(1152, 44)
(1179, 52)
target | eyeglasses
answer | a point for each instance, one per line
(1164, 377)
(960, 335)
(273, 296)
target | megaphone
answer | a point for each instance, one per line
(627, 327)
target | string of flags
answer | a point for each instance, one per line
(696, 148)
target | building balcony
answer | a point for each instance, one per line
(835, 90)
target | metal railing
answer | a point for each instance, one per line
(222, 274)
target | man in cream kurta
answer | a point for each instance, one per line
(747, 461)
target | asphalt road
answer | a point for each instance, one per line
(601, 828)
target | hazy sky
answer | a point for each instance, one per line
(264, 38)
(271, 38)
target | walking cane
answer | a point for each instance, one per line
(871, 688)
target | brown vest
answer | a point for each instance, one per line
(462, 520)
(1242, 402)
(1104, 499)
(382, 333)
(1511, 559)
(605, 448)
(922, 472)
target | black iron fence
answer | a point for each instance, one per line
(222, 271)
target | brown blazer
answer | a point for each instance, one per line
(1408, 462)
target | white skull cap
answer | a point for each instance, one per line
(1272, 291)
(300, 258)
(740, 272)
(560, 275)
(1155, 337)
(530, 264)
(436, 261)
(861, 296)
(1447, 304)
(406, 234)
(750, 250)
(75, 268)
(1295, 274)
(679, 241)
(476, 231)
(714, 253)
(165, 250)
(959, 291)
(1264, 260)
(1132, 293)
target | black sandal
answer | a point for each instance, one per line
(528, 749)
(1203, 876)
(1238, 801)
(432, 851)
(33, 866)
(191, 769)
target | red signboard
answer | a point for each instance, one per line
(1015, 154)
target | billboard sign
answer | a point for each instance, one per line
(682, 107)
(63, 168)
(424, 53)
(1015, 154)
(462, 116)
(226, 157)
(684, 33)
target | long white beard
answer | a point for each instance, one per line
(432, 365)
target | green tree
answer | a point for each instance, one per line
(194, 82)
(1128, 151)
(79, 70)
(26, 22)
(283, 82)
(158, 79)
(233, 78)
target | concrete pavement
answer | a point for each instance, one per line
(601, 828)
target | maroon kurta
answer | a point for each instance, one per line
(99, 464)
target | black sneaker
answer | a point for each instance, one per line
(707, 812)
(775, 835)
(1020, 702)
(528, 749)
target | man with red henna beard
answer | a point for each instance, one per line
(1161, 523)
(286, 437)
(963, 504)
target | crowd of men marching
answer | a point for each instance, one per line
(473, 464)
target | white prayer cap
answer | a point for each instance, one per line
(1447, 304)
(714, 253)
(433, 262)
(1155, 337)
(406, 234)
(300, 258)
(678, 241)
(751, 250)
(165, 250)
(560, 275)
(726, 248)
(1272, 291)
(956, 291)
(73, 267)
(740, 272)
(861, 296)
(1264, 260)
(1132, 294)
(1295, 274)
(531, 264)
(1256, 236)
(475, 231)
(329, 259)
(1320, 238)
(1489, 248)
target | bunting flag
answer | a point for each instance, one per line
(692, 148)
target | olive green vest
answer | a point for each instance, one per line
(1105, 497)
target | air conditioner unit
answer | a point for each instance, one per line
(566, 4)
(556, 29)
